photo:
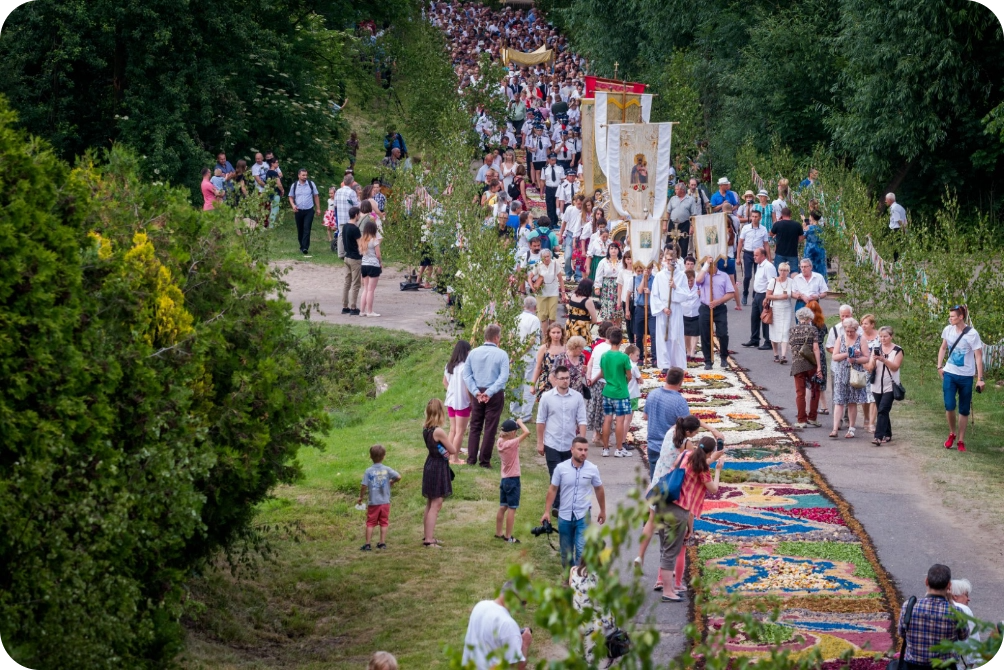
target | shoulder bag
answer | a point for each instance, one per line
(767, 312)
(858, 378)
(899, 663)
(807, 352)
(667, 489)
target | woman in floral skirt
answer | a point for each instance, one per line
(608, 273)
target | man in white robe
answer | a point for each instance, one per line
(672, 351)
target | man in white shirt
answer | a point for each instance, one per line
(481, 177)
(576, 480)
(528, 332)
(807, 285)
(548, 278)
(752, 236)
(538, 145)
(897, 215)
(492, 629)
(258, 171)
(765, 273)
(566, 191)
(566, 151)
(571, 226)
(552, 175)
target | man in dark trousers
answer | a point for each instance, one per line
(485, 376)
(762, 277)
(552, 175)
(715, 290)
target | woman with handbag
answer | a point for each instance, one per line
(779, 295)
(885, 360)
(806, 365)
(582, 582)
(850, 381)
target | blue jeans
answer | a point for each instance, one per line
(572, 539)
(653, 458)
(953, 384)
(792, 262)
(568, 254)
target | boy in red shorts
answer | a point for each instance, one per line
(377, 480)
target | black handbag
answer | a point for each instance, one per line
(898, 391)
(618, 643)
(899, 663)
(586, 393)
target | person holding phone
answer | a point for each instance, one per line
(960, 358)
(885, 361)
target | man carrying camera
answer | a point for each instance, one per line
(576, 479)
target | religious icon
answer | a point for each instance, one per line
(639, 173)
(711, 236)
(645, 240)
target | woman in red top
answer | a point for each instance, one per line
(679, 516)
(692, 495)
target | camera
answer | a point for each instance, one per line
(543, 529)
(720, 445)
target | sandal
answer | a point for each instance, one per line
(877, 442)
(850, 433)
(823, 411)
(658, 586)
(777, 359)
(784, 361)
(833, 435)
(434, 543)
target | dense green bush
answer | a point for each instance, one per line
(155, 389)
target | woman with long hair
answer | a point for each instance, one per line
(437, 484)
(819, 321)
(870, 339)
(625, 294)
(372, 266)
(458, 401)
(509, 167)
(549, 351)
(519, 180)
(240, 181)
(608, 274)
(581, 313)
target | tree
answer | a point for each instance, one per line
(155, 390)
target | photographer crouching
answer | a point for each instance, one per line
(576, 479)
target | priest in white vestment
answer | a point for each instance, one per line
(670, 352)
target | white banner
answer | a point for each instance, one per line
(632, 150)
(600, 129)
(709, 237)
(646, 107)
(645, 240)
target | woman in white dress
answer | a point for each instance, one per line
(509, 166)
(779, 292)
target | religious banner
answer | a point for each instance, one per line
(709, 237)
(594, 84)
(638, 162)
(607, 109)
(645, 240)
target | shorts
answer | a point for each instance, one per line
(547, 308)
(378, 515)
(426, 262)
(462, 413)
(634, 404)
(691, 326)
(371, 270)
(728, 267)
(539, 165)
(509, 490)
(953, 384)
(616, 406)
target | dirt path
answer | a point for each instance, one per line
(413, 311)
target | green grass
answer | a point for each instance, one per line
(321, 603)
(831, 551)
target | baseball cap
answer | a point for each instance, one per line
(509, 425)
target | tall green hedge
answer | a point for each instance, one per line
(154, 390)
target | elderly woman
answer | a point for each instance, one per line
(849, 353)
(803, 369)
(779, 293)
(885, 361)
(870, 340)
(573, 358)
(960, 590)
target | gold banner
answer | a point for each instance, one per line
(541, 55)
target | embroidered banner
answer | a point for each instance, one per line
(638, 162)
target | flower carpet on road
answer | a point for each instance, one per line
(776, 529)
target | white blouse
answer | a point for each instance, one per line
(606, 269)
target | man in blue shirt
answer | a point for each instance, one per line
(305, 201)
(224, 165)
(811, 181)
(662, 408)
(724, 194)
(576, 479)
(485, 376)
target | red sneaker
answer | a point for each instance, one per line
(962, 445)
(950, 441)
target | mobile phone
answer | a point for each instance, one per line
(720, 445)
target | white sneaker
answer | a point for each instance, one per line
(606, 452)
(627, 453)
(618, 453)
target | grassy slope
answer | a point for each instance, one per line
(322, 602)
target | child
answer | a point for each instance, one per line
(382, 660)
(508, 446)
(330, 224)
(634, 384)
(218, 181)
(377, 480)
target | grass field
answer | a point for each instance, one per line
(322, 603)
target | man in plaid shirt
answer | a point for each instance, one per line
(931, 622)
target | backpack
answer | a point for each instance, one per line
(513, 189)
(292, 191)
(544, 234)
